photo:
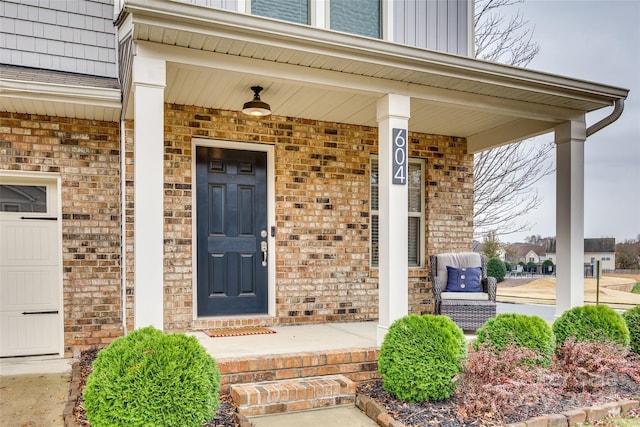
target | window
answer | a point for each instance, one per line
(415, 211)
(287, 10)
(23, 198)
(356, 17)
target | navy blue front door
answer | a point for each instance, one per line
(231, 198)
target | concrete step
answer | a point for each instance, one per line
(357, 364)
(273, 397)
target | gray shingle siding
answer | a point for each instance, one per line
(76, 36)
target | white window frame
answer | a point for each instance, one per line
(320, 12)
(422, 214)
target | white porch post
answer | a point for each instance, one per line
(393, 113)
(149, 79)
(570, 137)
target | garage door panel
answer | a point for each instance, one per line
(33, 289)
(29, 334)
(28, 242)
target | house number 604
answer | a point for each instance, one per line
(399, 170)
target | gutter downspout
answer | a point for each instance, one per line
(123, 225)
(618, 107)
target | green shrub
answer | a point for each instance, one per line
(421, 356)
(632, 319)
(591, 323)
(521, 330)
(151, 379)
(496, 268)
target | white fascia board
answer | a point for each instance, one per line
(39, 91)
(264, 31)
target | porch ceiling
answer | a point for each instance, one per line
(214, 56)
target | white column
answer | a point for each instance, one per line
(393, 113)
(570, 137)
(149, 79)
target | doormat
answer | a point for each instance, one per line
(237, 332)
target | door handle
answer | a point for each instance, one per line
(263, 248)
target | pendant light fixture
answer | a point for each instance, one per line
(256, 107)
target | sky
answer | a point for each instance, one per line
(598, 41)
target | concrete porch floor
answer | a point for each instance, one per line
(292, 339)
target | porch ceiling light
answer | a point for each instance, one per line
(256, 107)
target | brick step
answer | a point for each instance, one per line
(357, 364)
(272, 397)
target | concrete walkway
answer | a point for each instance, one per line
(338, 416)
(33, 391)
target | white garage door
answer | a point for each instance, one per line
(30, 312)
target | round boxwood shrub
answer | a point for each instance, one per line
(524, 331)
(421, 356)
(151, 379)
(591, 323)
(496, 268)
(632, 319)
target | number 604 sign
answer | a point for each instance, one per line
(399, 169)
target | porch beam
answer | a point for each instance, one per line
(569, 138)
(148, 83)
(393, 266)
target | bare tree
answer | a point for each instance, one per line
(504, 176)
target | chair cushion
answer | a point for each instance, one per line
(462, 259)
(465, 279)
(476, 296)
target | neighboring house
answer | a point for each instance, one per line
(603, 250)
(147, 197)
(527, 253)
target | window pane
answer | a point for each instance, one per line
(415, 213)
(356, 17)
(375, 252)
(23, 198)
(287, 10)
(374, 184)
(415, 187)
(414, 241)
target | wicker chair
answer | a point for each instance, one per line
(469, 310)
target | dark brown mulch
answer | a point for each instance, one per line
(446, 414)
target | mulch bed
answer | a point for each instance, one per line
(446, 413)
(443, 414)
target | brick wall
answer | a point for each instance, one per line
(86, 155)
(322, 208)
(322, 214)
